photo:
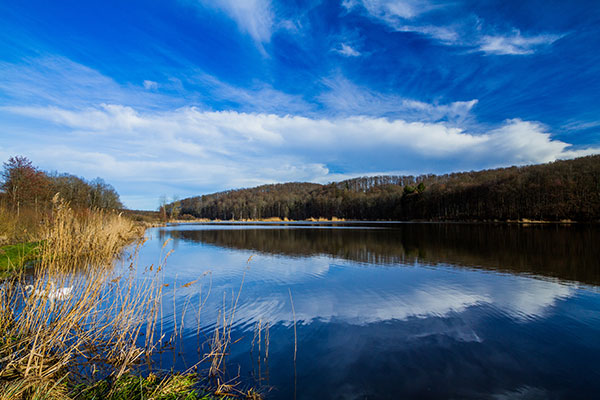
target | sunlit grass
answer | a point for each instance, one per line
(52, 341)
(23, 226)
(78, 324)
(130, 386)
(14, 257)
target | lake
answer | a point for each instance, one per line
(386, 310)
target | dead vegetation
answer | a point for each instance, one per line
(71, 319)
(79, 324)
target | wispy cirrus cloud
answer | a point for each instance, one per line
(253, 17)
(347, 50)
(62, 82)
(57, 80)
(181, 102)
(391, 10)
(346, 98)
(149, 138)
(515, 43)
(150, 85)
(260, 97)
(470, 31)
(68, 85)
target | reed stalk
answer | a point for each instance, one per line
(79, 323)
(72, 319)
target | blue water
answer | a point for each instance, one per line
(386, 310)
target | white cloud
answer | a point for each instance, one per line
(198, 150)
(515, 43)
(444, 34)
(150, 85)
(260, 97)
(517, 141)
(253, 17)
(64, 83)
(527, 142)
(471, 32)
(390, 10)
(118, 134)
(347, 98)
(347, 50)
(60, 81)
(581, 125)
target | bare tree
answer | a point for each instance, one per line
(23, 183)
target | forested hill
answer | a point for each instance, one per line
(561, 190)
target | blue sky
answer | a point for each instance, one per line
(192, 96)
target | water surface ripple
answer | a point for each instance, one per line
(390, 310)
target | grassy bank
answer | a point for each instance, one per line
(16, 256)
(77, 327)
(131, 386)
(58, 330)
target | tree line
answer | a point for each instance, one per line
(560, 190)
(24, 185)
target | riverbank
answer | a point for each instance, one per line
(75, 326)
(523, 221)
(247, 220)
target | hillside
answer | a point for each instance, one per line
(561, 190)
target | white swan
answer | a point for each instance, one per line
(52, 294)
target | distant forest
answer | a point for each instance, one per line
(561, 190)
(25, 186)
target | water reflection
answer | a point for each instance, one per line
(391, 311)
(566, 252)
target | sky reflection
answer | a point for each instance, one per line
(417, 323)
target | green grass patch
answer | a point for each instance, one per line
(133, 387)
(16, 256)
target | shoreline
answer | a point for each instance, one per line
(323, 221)
(95, 241)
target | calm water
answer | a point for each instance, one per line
(389, 310)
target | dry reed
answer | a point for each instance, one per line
(73, 320)
(85, 316)
(19, 228)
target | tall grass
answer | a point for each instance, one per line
(19, 227)
(51, 343)
(83, 319)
